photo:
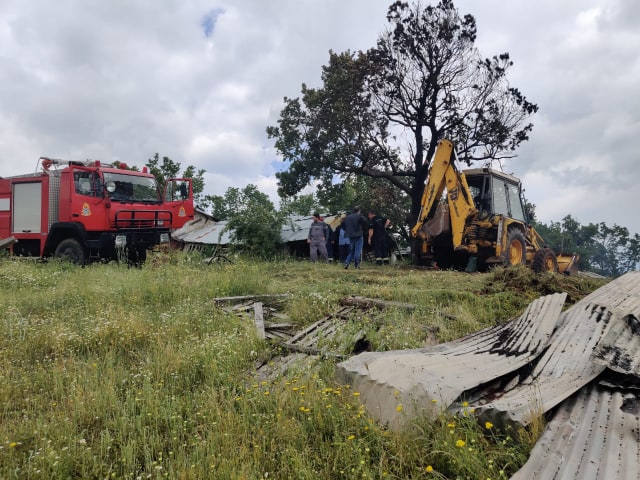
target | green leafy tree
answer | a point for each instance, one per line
(252, 219)
(166, 168)
(216, 205)
(616, 253)
(370, 194)
(163, 170)
(609, 251)
(299, 205)
(424, 81)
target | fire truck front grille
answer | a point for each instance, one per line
(142, 219)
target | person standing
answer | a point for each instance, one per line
(317, 238)
(343, 242)
(355, 225)
(330, 242)
(378, 237)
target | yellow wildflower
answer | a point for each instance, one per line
(429, 469)
(351, 437)
(460, 443)
(488, 425)
(399, 408)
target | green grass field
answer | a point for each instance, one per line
(110, 372)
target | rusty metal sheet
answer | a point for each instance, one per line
(566, 366)
(429, 379)
(594, 434)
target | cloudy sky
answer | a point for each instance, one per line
(199, 81)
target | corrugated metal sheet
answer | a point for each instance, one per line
(594, 435)
(203, 231)
(566, 366)
(588, 371)
(430, 379)
(619, 349)
(296, 229)
(208, 232)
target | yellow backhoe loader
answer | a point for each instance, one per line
(476, 218)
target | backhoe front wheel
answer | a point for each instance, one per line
(545, 260)
(515, 251)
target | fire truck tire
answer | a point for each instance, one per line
(137, 256)
(70, 249)
(515, 251)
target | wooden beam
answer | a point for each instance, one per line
(259, 319)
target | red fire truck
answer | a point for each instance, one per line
(87, 211)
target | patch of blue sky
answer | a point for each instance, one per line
(208, 22)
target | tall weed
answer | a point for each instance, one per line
(111, 372)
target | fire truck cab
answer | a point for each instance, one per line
(86, 211)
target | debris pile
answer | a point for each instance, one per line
(308, 342)
(581, 366)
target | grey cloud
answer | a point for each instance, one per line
(200, 81)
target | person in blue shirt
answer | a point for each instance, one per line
(343, 243)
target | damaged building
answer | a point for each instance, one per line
(205, 234)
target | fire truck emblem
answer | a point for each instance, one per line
(181, 212)
(86, 210)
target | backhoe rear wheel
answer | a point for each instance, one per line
(545, 260)
(515, 251)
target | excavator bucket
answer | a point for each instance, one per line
(568, 264)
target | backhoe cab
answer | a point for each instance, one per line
(476, 218)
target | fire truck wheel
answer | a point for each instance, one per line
(137, 257)
(70, 249)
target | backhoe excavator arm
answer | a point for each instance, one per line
(443, 174)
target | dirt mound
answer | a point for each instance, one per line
(524, 281)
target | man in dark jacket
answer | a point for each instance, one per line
(317, 238)
(378, 237)
(355, 224)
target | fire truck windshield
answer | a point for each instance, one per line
(131, 188)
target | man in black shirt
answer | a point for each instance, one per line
(378, 237)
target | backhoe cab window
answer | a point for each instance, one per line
(480, 192)
(514, 202)
(507, 199)
(131, 188)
